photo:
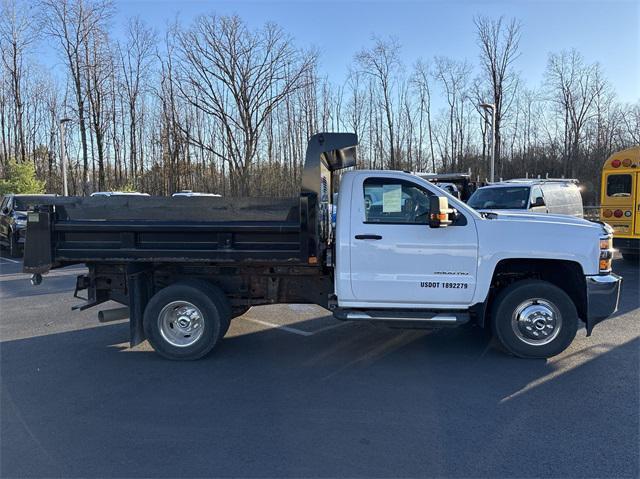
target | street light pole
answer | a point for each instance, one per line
(63, 157)
(492, 107)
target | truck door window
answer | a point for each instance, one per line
(619, 185)
(388, 200)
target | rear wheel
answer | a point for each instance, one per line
(220, 298)
(534, 319)
(185, 320)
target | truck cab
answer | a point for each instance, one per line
(392, 255)
(394, 265)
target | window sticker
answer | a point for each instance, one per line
(391, 198)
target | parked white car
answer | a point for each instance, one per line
(195, 193)
(119, 193)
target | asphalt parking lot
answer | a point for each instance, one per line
(292, 393)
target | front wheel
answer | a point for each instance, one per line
(185, 320)
(534, 319)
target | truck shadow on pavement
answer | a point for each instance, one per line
(629, 296)
(354, 401)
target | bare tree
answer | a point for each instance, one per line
(51, 131)
(356, 104)
(18, 30)
(575, 85)
(136, 57)
(422, 83)
(99, 66)
(71, 22)
(453, 76)
(499, 45)
(382, 62)
(631, 122)
(479, 92)
(239, 77)
(220, 107)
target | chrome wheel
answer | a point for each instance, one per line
(536, 322)
(181, 324)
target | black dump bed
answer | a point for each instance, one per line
(193, 229)
(139, 228)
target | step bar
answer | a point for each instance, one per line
(404, 317)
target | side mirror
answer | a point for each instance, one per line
(539, 201)
(440, 213)
(367, 202)
(5, 211)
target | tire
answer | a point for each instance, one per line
(633, 258)
(14, 247)
(534, 319)
(214, 292)
(185, 320)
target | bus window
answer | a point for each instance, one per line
(619, 185)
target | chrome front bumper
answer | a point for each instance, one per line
(603, 294)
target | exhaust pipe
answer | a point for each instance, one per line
(116, 314)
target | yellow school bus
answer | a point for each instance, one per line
(620, 200)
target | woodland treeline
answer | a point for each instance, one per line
(218, 106)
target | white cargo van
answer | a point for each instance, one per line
(554, 196)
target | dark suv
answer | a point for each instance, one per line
(13, 219)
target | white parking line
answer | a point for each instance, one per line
(9, 260)
(332, 326)
(280, 326)
(293, 330)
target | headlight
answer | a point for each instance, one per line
(21, 221)
(606, 254)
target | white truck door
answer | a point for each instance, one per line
(397, 259)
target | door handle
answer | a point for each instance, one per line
(370, 237)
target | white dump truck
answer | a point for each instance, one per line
(395, 249)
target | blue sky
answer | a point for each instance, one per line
(604, 31)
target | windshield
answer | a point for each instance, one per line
(26, 204)
(510, 198)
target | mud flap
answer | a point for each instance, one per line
(139, 290)
(38, 251)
